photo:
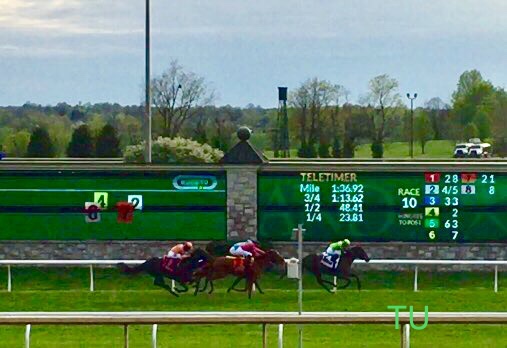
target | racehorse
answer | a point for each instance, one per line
(248, 268)
(183, 274)
(221, 248)
(313, 264)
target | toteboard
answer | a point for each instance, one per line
(94, 205)
(425, 206)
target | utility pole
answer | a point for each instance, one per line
(411, 123)
(147, 111)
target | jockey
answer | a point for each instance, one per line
(333, 252)
(180, 251)
(246, 249)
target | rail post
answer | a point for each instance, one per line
(280, 335)
(9, 278)
(27, 335)
(405, 335)
(415, 279)
(264, 335)
(299, 232)
(126, 335)
(154, 336)
(496, 278)
(92, 284)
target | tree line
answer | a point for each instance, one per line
(324, 123)
(322, 120)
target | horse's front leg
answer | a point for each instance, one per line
(197, 284)
(211, 285)
(159, 281)
(357, 279)
(232, 287)
(249, 284)
(344, 278)
(257, 286)
(206, 282)
(184, 288)
(323, 282)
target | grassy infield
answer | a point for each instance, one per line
(433, 149)
(66, 290)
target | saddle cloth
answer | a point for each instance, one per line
(169, 264)
(330, 261)
(238, 263)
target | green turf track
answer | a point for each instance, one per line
(67, 290)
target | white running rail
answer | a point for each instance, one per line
(274, 318)
(91, 263)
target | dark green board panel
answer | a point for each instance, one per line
(384, 206)
(50, 205)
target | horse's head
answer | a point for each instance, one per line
(275, 257)
(201, 254)
(357, 252)
(197, 259)
(217, 248)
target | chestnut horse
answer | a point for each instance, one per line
(251, 270)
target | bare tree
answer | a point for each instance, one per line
(384, 99)
(176, 94)
(340, 97)
(437, 112)
(300, 100)
(310, 99)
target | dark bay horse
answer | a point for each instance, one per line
(184, 273)
(343, 271)
(251, 270)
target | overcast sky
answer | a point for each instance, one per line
(93, 50)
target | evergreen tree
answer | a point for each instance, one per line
(81, 144)
(377, 149)
(108, 144)
(311, 152)
(324, 150)
(40, 145)
(302, 150)
(348, 148)
(337, 148)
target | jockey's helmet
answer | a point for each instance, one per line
(253, 241)
(187, 246)
(346, 242)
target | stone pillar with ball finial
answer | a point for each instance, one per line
(242, 163)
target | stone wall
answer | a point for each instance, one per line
(241, 203)
(97, 250)
(20, 250)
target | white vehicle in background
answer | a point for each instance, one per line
(474, 148)
(462, 150)
(479, 150)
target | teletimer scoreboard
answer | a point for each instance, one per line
(440, 206)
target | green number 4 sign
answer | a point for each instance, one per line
(101, 198)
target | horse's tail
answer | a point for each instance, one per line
(124, 268)
(309, 262)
